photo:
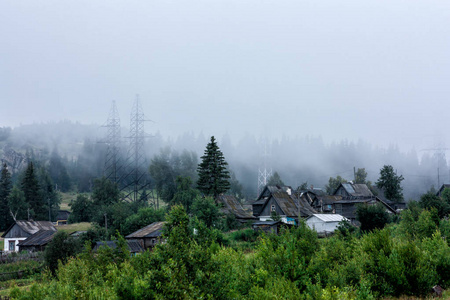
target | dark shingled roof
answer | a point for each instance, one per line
(233, 206)
(151, 231)
(133, 245)
(40, 238)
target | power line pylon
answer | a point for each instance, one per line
(264, 173)
(136, 179)
(113, 141)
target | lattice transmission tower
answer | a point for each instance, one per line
(113, 143)
(136, 178)
(264, 172)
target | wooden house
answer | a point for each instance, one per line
(21, 230)
(230, 205)
(62, 217)
(353, 191)
(148, 236)
(37, 241)
(268, 226)
(283, 202)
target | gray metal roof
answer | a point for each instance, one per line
(328, 217)
(150, 231)
(31, 227)
(133, 245)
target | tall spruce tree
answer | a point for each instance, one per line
(5, 190)
(212, 171)
(390, 182)
(31, 189)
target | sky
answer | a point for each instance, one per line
(372, 70)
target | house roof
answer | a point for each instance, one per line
(31, 227)
(40, 238)
(149, 231)
(233, 206)
(356, 189)
(63, 215)
(133, 245)
(328, 217)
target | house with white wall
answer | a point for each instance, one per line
(21, 230)
(324, 223)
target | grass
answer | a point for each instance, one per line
(65, 200)
(74, 227)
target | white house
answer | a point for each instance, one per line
(21, 230)
(324, 223)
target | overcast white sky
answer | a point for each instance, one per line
(376, 70)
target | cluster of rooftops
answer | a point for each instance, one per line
(287, 204)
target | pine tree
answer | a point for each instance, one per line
(390, 182)
(212, 171)
(5, 190)
(31, 190)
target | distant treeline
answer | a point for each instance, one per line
(80, 150)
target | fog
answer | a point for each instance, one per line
(343, 74)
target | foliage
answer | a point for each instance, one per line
(60, 249)
(31, 189)
(275, 216)
(50, 196)
(206, 210)
(81, 209)
(372, 216)
(275, 179)
(236, 188)
(105, 192)
(333, 184)
(5, 190)
(145, 216)
(184, 194)
(390, 182)
(17, 204)
(213, 175)
(58, 172)
(360, 176)
(167, 166)
(430, 200)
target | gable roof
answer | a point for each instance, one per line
(40, 238)
(149, 231)
(356, 189)
(233, 206)
(31, 227)
(290, 204)
(328, 217)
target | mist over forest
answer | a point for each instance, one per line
(81, 149)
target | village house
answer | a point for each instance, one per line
(354, 195)
(281, 201)
(134, 246)
(37, 241)
(62, 217)
(21, 230)
(148, 236)
(230, 205)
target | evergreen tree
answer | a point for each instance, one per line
(31, 189)
(18, 207)
(58, 172)
(390, 183)
(212, 171)
(49, 195)
(5, 191)
(275, 179)
(185, 194)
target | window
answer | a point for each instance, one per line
(272, 208)
(12, 245)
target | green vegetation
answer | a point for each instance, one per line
(69, 228)
(402, 259)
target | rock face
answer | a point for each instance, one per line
(15, 161)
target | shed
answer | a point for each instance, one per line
(267, 226)
(37, 241)
(62, 217)
(21, 230)
(149, 235)
(324, 223)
